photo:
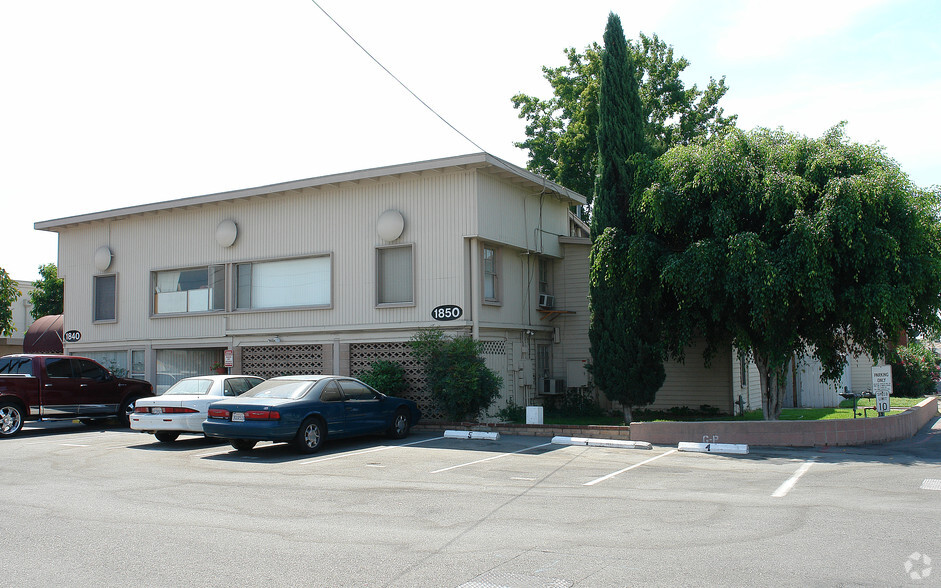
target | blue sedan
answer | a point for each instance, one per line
(306, 410)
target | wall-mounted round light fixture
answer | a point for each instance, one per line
(390, 225)
(226, 233)
(102, 258)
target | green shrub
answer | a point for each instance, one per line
(386, 376)
(915, 371)
(576, 402)
(458, 380)
(512, 413)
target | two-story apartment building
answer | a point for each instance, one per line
(328, 274)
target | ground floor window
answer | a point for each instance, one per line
(175, 364)
(116, 361)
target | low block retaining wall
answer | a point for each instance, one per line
(590, 431)
(860, 431)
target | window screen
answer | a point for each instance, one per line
(105, 297)
(394, 265)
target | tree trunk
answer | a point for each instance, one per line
(627, 414)
(772, 389)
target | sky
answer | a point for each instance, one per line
(110, 103)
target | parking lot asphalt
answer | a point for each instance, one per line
(109, 507)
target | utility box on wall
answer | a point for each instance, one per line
(575, 373)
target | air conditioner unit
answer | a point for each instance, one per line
(546, 301)
(551, 386)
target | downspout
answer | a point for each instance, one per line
(475, 289)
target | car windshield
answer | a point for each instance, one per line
(290, 389)
(194, 387)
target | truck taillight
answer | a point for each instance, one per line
(262, 415)
(218, 413)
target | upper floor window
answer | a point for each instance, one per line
(105, 298)
(198, 289)
(545, 275)
(394, 275)
(491, 269)
(286, 283)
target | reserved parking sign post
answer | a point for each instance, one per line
(882, 387)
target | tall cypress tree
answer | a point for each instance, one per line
(627, 362)
(620, 132)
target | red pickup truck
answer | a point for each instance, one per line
(49, 387)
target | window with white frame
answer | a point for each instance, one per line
(198, 289)
(105, 298)
(491, 269)
(284, 283)
(394, 275)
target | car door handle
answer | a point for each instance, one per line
(83, 385)
(47, 386)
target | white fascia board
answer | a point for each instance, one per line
(480, 160)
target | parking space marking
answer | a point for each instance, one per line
(931, 484)
(491, 458)
(636, 465)
(786, 487)
(73, 445)
(365, 451)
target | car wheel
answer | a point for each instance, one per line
(243, 444)
(11, 419)
(401, 423)
(311, 435)
(166, 436)
(127, 409)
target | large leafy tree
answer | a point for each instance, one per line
(47, 293)
(784, 245)
(8, 295)
(623, 329)
(561, 132)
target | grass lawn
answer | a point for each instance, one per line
(844, 411)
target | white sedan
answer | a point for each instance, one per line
(183, 407)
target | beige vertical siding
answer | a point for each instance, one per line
(693, 384)
(860, 369)
(571, 296)
(336, 220)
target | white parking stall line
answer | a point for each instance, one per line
(213, 453)
(491, 458)
(223, 451)
(636, 465)
(73, 445)
(786, 487)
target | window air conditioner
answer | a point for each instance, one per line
(551, 386)
(546, 301)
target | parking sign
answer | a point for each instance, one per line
(882, 387)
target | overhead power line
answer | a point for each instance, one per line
(400, 82)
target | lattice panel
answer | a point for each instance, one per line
(494, 347)
(363, 354)
(268, 361)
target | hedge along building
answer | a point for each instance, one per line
(328, 274)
